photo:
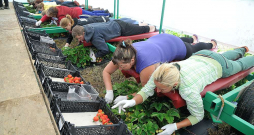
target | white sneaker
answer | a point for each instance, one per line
(92, 55)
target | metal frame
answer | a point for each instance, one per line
(212, 103)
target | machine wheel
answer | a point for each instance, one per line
(245, 106)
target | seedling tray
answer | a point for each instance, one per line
(67, 128)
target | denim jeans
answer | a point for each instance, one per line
(230, 65)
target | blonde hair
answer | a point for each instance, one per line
(77, 31)
(52, 12)
(65, 21)
(124, 52)
(167, 74)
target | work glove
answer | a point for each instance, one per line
(109, 96)
(53, 22)
(92, 56)
(124, 104)
(120, 98)
(38, 23)
(169, 129)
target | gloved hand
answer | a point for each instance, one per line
(109, 96)
(92, 56)
(120, 98)
(124, 104)
(53, 22)
(169, 129)
(38, 23)
(31, 13)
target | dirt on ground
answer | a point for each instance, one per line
(94, 74)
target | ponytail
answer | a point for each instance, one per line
(65, 21)
(124, 52)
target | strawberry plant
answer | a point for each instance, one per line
(177, 33)
(30, 9)
(58, 35)
(46, 24)
(78, 55)
(148, 117)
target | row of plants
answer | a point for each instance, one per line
(146, 118)
(30, 9)
(80, 55)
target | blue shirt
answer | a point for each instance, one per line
(159, 48)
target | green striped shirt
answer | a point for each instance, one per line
(196, 73)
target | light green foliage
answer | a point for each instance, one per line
(30, 9)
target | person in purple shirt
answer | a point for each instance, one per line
(145, 56)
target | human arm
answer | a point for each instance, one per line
(44, 18)
(108, 70)
(68, 40)
(99, 42)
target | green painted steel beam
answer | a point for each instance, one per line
(51, 30)
(36, 16)
(117, 9)
(230, 96)
(114, 9)
(162, 15)
(111, 47)
(233, 120)
(212, 103)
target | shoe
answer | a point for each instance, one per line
(7, 7)
(106, 11)
(196, 37)
(215, 43)
(92, 55)
(76, 3)
(245, 47)
(1, 8)
(111, 15)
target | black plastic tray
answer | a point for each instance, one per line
(66, 128)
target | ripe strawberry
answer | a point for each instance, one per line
(95, 118)
(99, 111)
(69, 76)
(76, 81)
(81, 82)
(66, 79)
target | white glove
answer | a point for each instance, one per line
(124, 104)
(109, 96)
(92, 56)
(66, 45)
(31, 13)
(169, 129)
(120, 98)
(38, 23)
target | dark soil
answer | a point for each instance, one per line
(94, 74)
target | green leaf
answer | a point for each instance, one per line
(173, 112)
(169, 119)
(160, 116)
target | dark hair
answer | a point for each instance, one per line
(124, 52)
